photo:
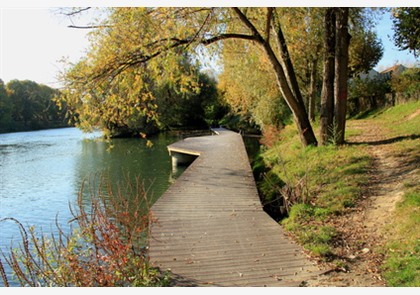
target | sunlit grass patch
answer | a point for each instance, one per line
(402, 263)
(403, 119)
(318, 182)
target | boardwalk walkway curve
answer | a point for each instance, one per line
(209, 227)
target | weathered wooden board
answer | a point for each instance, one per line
(209, 228)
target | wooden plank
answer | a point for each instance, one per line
(209, 227)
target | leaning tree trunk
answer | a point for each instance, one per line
(296, 104)
(341, 73)
(286, 78)
(327, 93)
(294, 99)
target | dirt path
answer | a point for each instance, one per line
(363, 228)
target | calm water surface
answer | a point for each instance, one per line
(41, 172)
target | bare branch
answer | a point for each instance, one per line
(89, 27)
(77, 11)
(229, 36)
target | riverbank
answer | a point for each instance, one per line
(355, 208)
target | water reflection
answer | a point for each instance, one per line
(42, 172)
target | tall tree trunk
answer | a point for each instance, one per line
(327, 93)
(312, 90)
(341, 73)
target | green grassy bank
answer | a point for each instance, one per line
(313, 187)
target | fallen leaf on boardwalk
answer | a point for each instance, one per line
(276, 277)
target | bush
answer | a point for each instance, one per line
(107, 247)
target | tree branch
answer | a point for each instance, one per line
(249, 25)
(229, 36)
(88, 27)
(268, 23)
(136, 58)
(77, 11)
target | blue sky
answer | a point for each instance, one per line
(392, 54)
(33, 40)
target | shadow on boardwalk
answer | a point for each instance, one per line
(210, 228)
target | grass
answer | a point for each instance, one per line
(402, 263)
(317, 183)
(400, 119)
(402, 250)
(324, 182)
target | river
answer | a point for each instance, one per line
(41, 173)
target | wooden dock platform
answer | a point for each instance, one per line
(210, 229)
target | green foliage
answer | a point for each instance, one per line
(365, 51)
(5, 109)
(406, 83)
(142, 57)
(270, 190)
(26, 105)
(326, 176)
(366, 94)
(406, 29)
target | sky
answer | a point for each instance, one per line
(34, 40)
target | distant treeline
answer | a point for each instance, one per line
(26, 105)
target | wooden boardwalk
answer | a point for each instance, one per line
(209, 228)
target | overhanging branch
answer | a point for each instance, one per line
(88, 27)
(257, 36)
(77, 11)
(137, 57)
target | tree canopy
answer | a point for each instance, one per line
(143, 59)
(406, 28)
(130, 82)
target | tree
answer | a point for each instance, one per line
(255, 93)
(327, 95)
(148, 41)
(365, 51)
(119, 88)
(341, 73)
(304, 32)
(406, 28)
(152, 38)
(334, 89)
